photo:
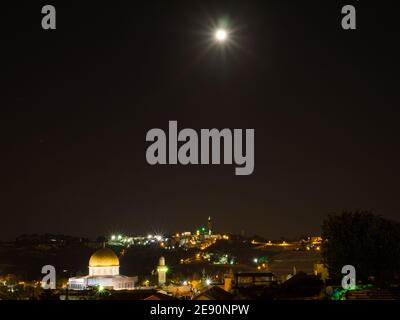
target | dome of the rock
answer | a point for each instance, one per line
(104, 257)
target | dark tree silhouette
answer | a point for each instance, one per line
(367, 241)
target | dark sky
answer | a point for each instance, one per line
(77, 103)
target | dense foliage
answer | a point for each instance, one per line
(368, 242)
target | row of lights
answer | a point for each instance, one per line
(130, 239)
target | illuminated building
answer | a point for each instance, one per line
(162, 271)
(248, 279)
(103, 273)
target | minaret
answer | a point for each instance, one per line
(209, 225)
(162, 271)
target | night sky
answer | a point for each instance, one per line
(77, 102)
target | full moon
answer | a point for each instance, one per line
(221, 35)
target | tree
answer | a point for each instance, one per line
(368, 242)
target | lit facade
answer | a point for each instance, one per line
(162, 272)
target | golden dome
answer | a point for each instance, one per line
(104, 257)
